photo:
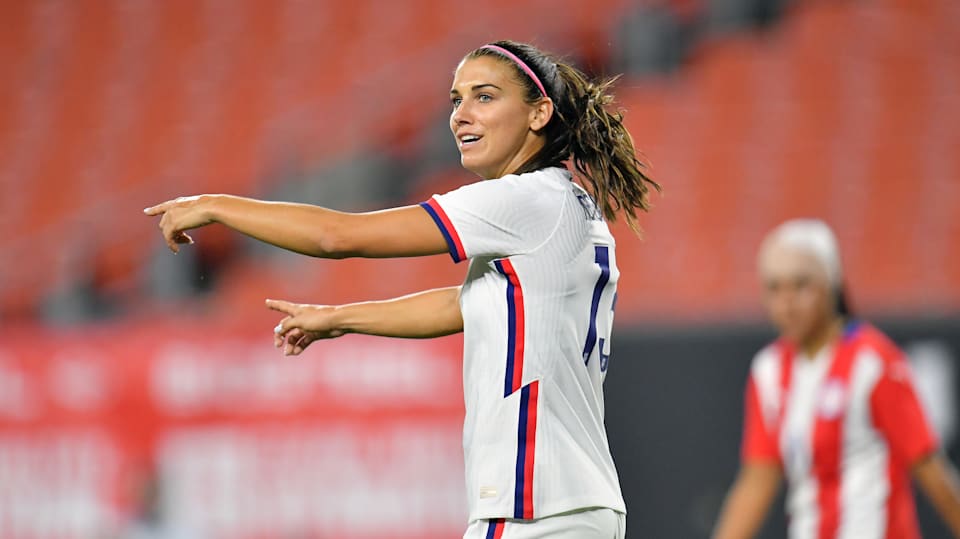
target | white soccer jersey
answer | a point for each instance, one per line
(537, 308)
(845, 426)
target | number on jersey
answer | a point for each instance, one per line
(599, 333)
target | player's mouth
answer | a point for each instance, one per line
(467, 140)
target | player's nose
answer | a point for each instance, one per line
(462, 115)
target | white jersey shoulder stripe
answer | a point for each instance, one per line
(766, 371)
(865, 485)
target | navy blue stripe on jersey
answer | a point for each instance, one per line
(526, 451)
(454, 245)
(602, 258)
(513, 377)
(495, 528)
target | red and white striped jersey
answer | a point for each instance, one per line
(537, 307)
(845, 426)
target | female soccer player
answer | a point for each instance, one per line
(831, 407)
(536, 307)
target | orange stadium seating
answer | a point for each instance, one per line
(844, 111)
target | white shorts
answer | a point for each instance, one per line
(596, 523)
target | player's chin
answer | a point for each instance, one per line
(469, 162)
(795, 332)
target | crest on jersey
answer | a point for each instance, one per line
(899, 371)
(832, 399)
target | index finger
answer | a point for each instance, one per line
(158, 209)
(282, 306)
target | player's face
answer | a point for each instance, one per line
(492, 123)
(796, 292)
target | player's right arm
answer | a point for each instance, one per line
(749, 500)
(304, 228)
(432, 313)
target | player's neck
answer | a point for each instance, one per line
(827, 333)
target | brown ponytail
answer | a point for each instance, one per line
(585, 132)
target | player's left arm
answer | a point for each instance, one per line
(941, 484)
(760, 476)
(304, 228)
(432, 313)
(749, 500)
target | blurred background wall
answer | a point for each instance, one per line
(139, 393)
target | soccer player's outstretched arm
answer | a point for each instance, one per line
(749, 500)
(432, 313)
(303, 228)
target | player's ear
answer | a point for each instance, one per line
(541, 113)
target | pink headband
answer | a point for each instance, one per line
(526, 69)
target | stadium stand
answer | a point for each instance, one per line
(844, 110)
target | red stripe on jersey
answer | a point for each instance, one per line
(787, 354)
(828, 436)
(759, 442)
(521, 329)
(894, 406)
(901, 515)
(530, 451)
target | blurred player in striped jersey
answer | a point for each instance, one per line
(831, 407)
(536, 308)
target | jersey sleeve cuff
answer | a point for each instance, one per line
(923, 452)
(759, 458)
(454, 245)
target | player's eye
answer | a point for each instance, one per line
(484, 98)
(455, 101)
